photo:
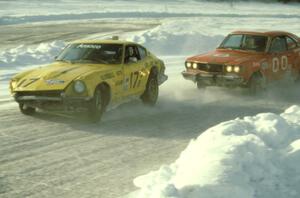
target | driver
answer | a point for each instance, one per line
(130, 55)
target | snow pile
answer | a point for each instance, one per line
(24, 55)
(178, 37)
(251, 157)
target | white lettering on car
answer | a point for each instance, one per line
(90, 46)
(275, 63)
(284, 62)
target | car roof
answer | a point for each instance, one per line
(104, 41)
(264, 33)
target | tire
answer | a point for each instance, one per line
(97, 106)
(26, 110)
(255, 84)
(150, 95)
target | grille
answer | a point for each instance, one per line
(40, 93)
(210, 67)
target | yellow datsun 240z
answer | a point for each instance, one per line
(89, 76)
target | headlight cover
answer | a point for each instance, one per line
(195, 65)
(236, 69)
(79, 86)
(229, 68)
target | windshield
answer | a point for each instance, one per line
(245, 42)
(94, 53)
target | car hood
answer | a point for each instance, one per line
(224, 56)
(56, 76)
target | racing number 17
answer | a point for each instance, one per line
(135, 79)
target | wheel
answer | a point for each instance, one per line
(96, 106)
(256, 84)
(26, 110)
(150, 95)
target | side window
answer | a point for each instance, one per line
(142, 52)
(291, 44)
(278, 45)
(131, 54)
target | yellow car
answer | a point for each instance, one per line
(89, 76)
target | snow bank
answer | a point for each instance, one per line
(178, 37)
(255, 156)
(24, 55)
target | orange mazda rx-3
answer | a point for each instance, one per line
(247, 59)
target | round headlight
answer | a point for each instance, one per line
(195, 65)
(79, 86)
(188, 64)
(236, 69)
(229, 68)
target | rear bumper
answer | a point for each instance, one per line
(61, 103)
(213, 79)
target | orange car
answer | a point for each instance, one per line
(247, 59)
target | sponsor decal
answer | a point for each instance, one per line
(221, 55)
(54, 82)
(89, 46)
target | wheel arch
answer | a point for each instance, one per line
(153, 71)
(104, 86)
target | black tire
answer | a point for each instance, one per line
(150, 95)
(26, 110)
(97, 106)
(255, 85)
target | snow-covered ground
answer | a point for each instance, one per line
(244, 157)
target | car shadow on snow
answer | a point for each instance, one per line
(172, 118)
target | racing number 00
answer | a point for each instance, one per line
(276, 63)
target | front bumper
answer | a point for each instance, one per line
(54, 103)
(214, 79)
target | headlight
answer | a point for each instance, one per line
(236, 69)
(188, 64)
(195, 65)
(79, 86)
(229, 68)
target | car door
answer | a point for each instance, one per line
(133, 74)
(278, 58)
(293, 56)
